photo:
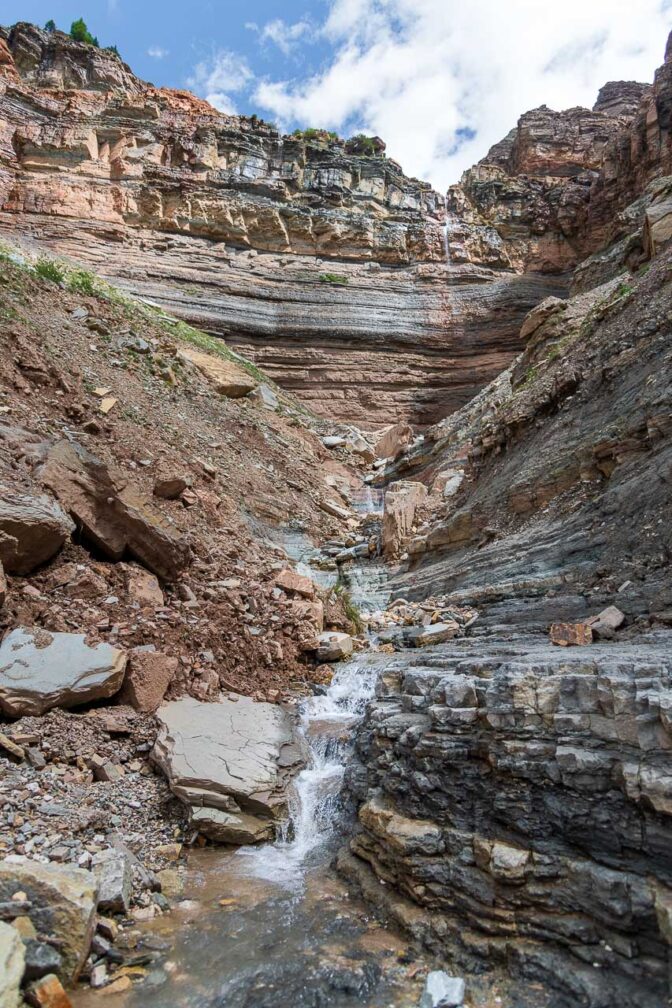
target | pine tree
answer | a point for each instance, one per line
(50, 26)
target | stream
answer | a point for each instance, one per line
(273, 926)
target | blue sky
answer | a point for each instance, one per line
(439, 80)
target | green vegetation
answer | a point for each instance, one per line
(50, 26)
(314, 134)
(82, 282)
(349, 607)
(80, 33)
(113, 49)
(368, 146)
(50, 269)
(333, 278)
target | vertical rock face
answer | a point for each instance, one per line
(327, 266)
(516, 801)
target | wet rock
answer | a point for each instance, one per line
(231, 757)
(148, 676)
(11, 966)
(63, 903)
(568, 634)
(41, 670)
(334, 646)
(442, 991)
(112, 870)
(33, 529)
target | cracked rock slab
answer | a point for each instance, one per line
(40, 670)
(229, 762)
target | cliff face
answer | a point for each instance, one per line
(329, 268)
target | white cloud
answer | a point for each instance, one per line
(285, 36)
(156, 52)
(424, 74)
(218, 75)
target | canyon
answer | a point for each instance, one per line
(369, 486)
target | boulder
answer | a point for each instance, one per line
(11, 966)
(436, 633)
(112, 870)
(169, 485)
(63, 904)
(148, 676)
(290, 581)
(33, 529)
(400, 504)
(310, 610)
(568, 634)
(40, 670)
(393, 440)
(227, 377)
(111, 514)
(41, 959)
(265, 396)
(606, 622)
(232, 756)
(442, 991)
(144, 588)
(334, 646)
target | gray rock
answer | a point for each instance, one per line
(40, 670)
(442, 991)
(265, 395)
(333, 646)
(41, 959)
(63, 904)
(436, 633)
(333, 441)
(112, 870)
(228, 756)
(11, 966)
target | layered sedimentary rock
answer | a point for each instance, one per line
(330, 268)
(516, 801)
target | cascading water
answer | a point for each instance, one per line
(326, 727)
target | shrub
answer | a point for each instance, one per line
(50, 26)
(80, 33)
(314, 134)
(82, 282)
(365, 145)
(333, 278)
(113, 49)
(51, 270)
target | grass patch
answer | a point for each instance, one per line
(50, 269)
(82, 282)
(333, 278)
(349, 607)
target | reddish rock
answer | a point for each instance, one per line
(393, 440)
(401, 502)
(144, 588)
(33, 528)
(3, 586)
(310, 610)
(292, 582)
(170, 485)
(148, 676)
(47, 993)
(569, 634)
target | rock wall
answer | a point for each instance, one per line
(330, 268)
(516, 803)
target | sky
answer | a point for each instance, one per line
(439, 80)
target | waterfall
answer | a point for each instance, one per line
(326, 728)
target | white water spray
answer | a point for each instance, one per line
(326, 724)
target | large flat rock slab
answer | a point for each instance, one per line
(40, 670)
(233, 757)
